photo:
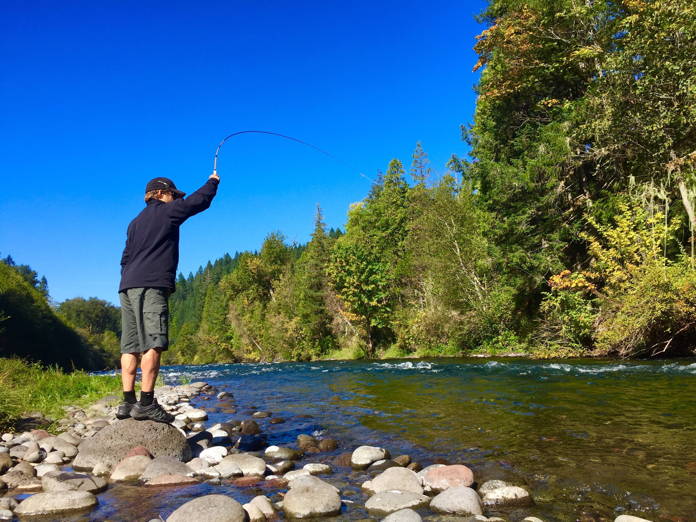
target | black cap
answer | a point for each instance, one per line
(164, 184)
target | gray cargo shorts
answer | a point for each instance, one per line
(144, 319)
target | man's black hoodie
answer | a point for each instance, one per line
(151, 256)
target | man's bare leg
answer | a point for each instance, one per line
(150, 365)
(129, 368)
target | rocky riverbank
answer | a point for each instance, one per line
(316, 477)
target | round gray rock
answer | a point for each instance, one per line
(310, 497)
(211, 508)
(399, 479)
(403, 515)
(65, 481)
(460, 500)
(388, 502)
(56, 503)
(112, 443)
(248, 464)
(164, 466)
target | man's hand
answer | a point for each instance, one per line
(214, 176)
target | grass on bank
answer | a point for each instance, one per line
(29, 387)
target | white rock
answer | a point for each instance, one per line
(316, 468)
(56, 503)
(388, 502)
(363, 456)
(264, 505)
(42, 469)
(507, 496)
(630, 518)
(214, 454)
(196, 415)
(254, 513)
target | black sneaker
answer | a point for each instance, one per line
(153, 412)
(124, 410)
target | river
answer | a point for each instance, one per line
(590, 439)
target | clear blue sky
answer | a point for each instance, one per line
(98, 97)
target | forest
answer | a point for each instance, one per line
(568, 230)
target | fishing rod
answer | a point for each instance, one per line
(297, 140)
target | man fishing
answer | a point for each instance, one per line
(148, 268)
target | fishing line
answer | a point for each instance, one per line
(297, 140)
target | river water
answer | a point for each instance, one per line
(590, 439)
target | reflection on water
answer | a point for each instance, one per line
(590, 439)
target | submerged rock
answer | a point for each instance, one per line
(403, 515)
(114, 442)
(387, 502)
(211, 508)
(507, 496)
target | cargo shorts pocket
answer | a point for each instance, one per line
(155, 323)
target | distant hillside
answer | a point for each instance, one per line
(30, 329)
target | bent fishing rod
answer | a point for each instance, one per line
(217, 151)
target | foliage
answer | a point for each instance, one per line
(28, 387)
(32, 330)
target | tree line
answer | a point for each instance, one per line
(569, 229)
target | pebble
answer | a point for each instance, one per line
(196, 415)
(6, 514)
(630, 518)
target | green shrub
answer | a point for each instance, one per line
(27, 387)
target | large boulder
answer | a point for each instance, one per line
(211, 508)
(51, 504)
(111, 444)
(311, 497)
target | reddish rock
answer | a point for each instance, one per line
(277, 420)
(343, 460)
(40, 434)
(139, 450)
(276, 483)
(446, 477)
(243, 482)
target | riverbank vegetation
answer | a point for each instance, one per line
(30, 387)
(569, 229)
